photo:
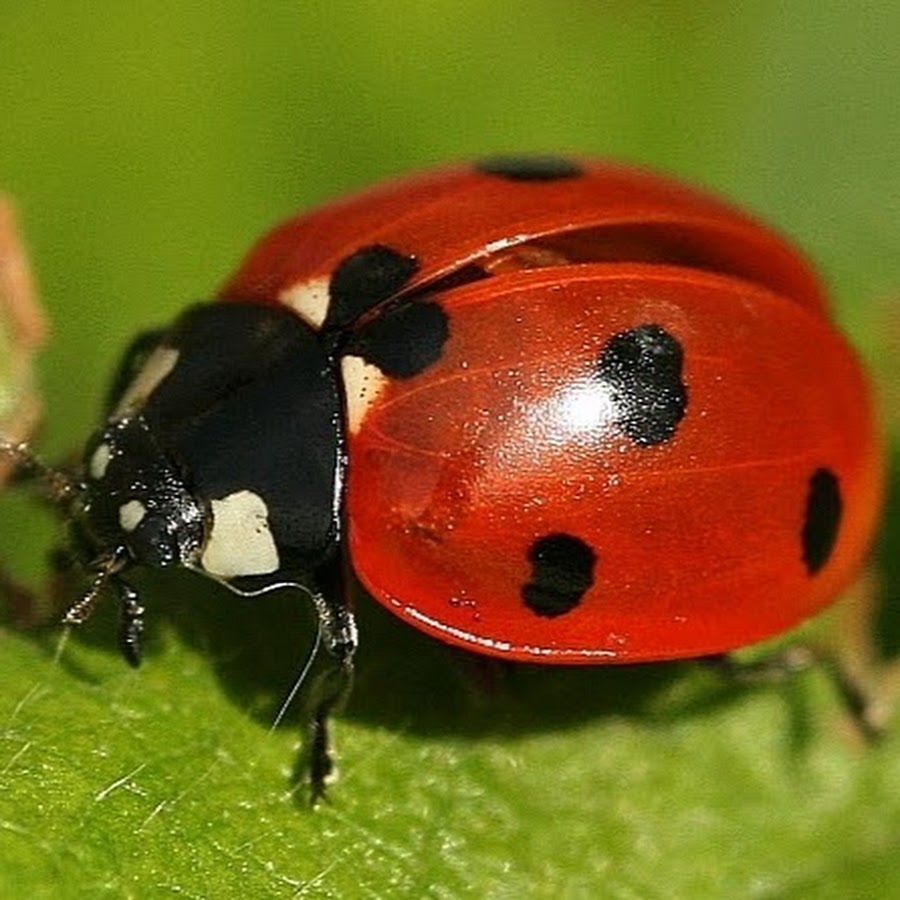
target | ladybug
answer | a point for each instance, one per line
(545, 409)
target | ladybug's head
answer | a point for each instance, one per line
(133, 505)
(129, 507)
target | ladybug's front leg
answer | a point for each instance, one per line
(332, 687)
(131, 623)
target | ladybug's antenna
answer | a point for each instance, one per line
(61, 488)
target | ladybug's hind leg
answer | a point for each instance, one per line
(867, 688)
(789, 661)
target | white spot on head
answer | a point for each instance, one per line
(100, 461)
(158, 365)
(309, 300)
(363, 382)
(131, 514)
(240, 541)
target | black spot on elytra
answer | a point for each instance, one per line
(364, 279)
(642, 368)
(404, 340)
(822, 519)
(529, 168)
(562, 569)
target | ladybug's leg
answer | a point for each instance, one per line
(848, 656)
(330, 691)
(787, 662)
(773, 667)
(332, 687)
(131, 624)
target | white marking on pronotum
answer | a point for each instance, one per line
(158, 365)
(100, 461)
(131, 514)
(363, 382)
(240, 541)
(309, 300)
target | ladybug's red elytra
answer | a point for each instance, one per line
(553, 410)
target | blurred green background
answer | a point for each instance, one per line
(147, 145)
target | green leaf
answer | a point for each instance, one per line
(146, 152)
